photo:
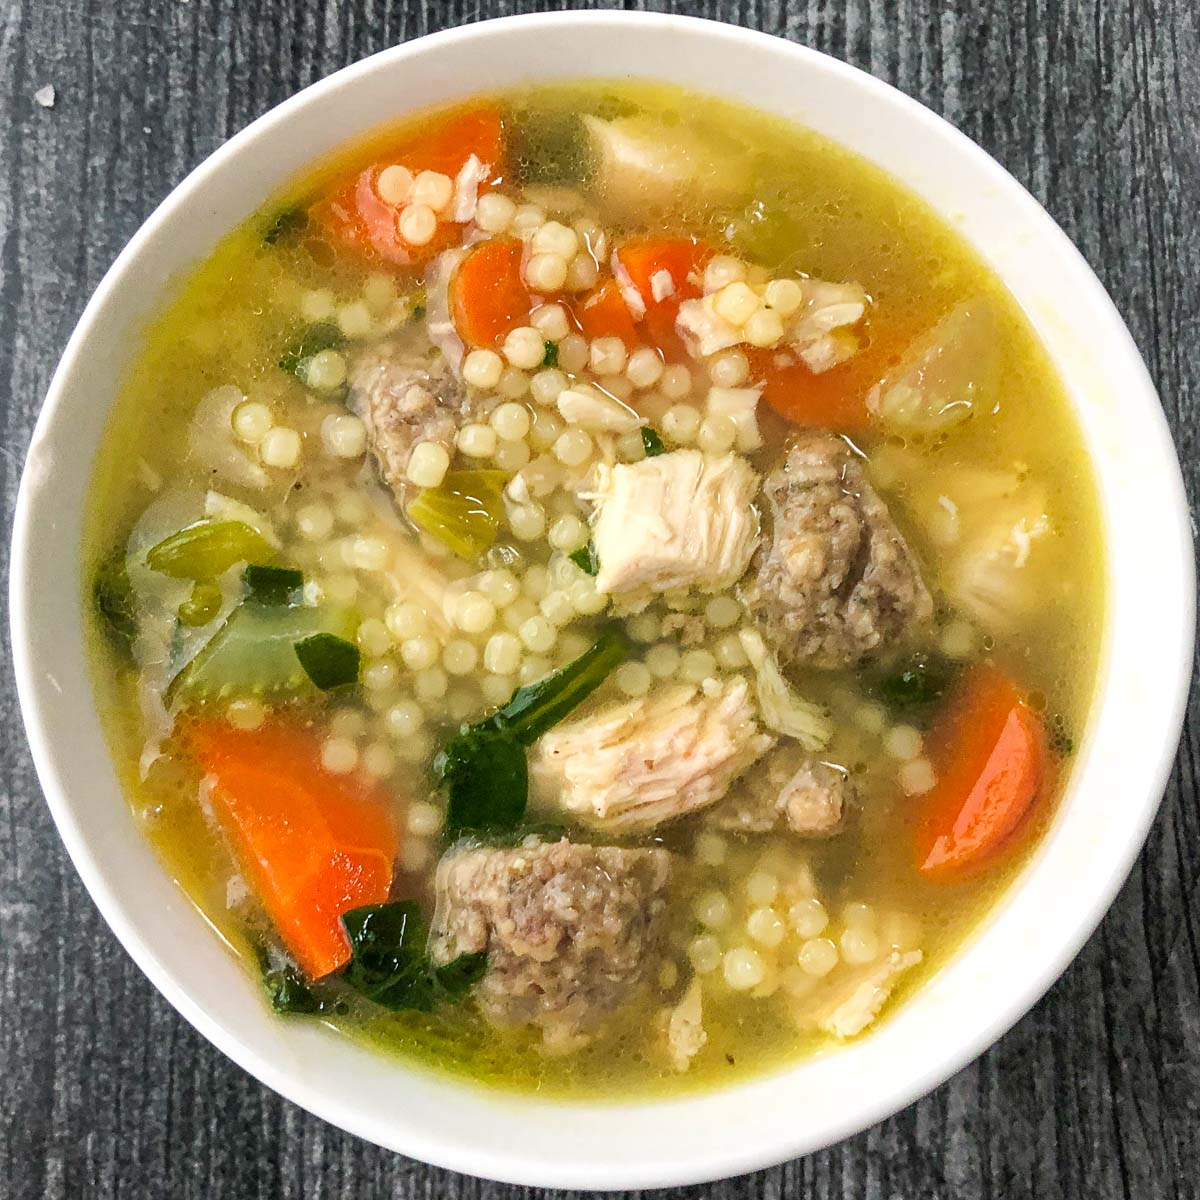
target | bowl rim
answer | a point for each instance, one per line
(524, 1167)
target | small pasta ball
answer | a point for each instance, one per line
(633, 679)
(430, 684)
(528, 219)
(379, 676)
(717, 434)
(573, 448)
(696, 666)
(676, 381)
(763, 328)
(722, 270)
(419, 653)
(630, 447)
(513, 383)
(681, 424)
(644, 627)
(352, 509)
(348, 722)
(339, 755)
(546, 386)
(871, 717)
(524, 347)
(405, 718)
(510, 457)
(374, 637)
(344, 435)
(722, 611)
(903, 742)
(246, 713)
(474, 612)
(354, 319)
(587, 600)
(557, 607)
(568, 533)
(534, 667)
(859, 945)
(573, 353)
(704, 953)
(433, 189)
(317, 305)
(808, 917)
(280, 447)
(784, 296)
(916, 777)
(502, 654)
(729, 369)
(538, 635)
(736, 303)
(459, 656)
(511, 421)
(607, 356)
(481, 368)
(314, 522)
(817, 957)
(417, 224)
(546, 273)
(394, 185)
(527, 522)
(428, 464)
(713, 910)
(423, 819)
(761, 887)
(582, 273)
(546, 429)
(644, 368)
(743, 968)
(380, 292)
(405, 620)
(662, 660)
(518, 612)
(730, 653)
(555, 238)
(550, 320)
(536, 582)
(710, 849)
(477, 441)
(378, 761)
(500, 586)
(494, 213)
(340, 589)
(764, 926)
(497, 689)
(252, 421)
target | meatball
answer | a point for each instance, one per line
(835, 579)
(571, 931)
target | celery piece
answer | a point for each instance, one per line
(254, 652)
(207, 548)
(464, 513)
(203, 604)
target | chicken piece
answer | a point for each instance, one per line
(634, 765)
(859, 996)
(835, 580)
(788, 787)
(571, 931)
(686, 1036)
(404, 400)
(674, 521)
(822, 332)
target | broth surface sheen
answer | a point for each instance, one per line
(245, 408)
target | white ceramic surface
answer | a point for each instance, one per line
(1021, 948)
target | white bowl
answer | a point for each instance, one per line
(1033, 932)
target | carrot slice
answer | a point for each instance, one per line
(488, 297)
(834, 399)
(671, 268)
(358, 219)
(604, 313)
(312, 844)
(989, 755)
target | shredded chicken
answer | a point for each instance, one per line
(859, 996)
(631, 766)
(685, 1028)
(674, 521)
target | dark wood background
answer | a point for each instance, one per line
(104, 1091)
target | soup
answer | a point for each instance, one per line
(593, 589)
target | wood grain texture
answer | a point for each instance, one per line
(104, 1091)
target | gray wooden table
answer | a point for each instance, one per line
(104, 1091)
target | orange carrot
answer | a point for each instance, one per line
(834, 399)
(312, 844)
(644, 262)
(989, 756)
(357, 218)
(603, 313)
(488, 297)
